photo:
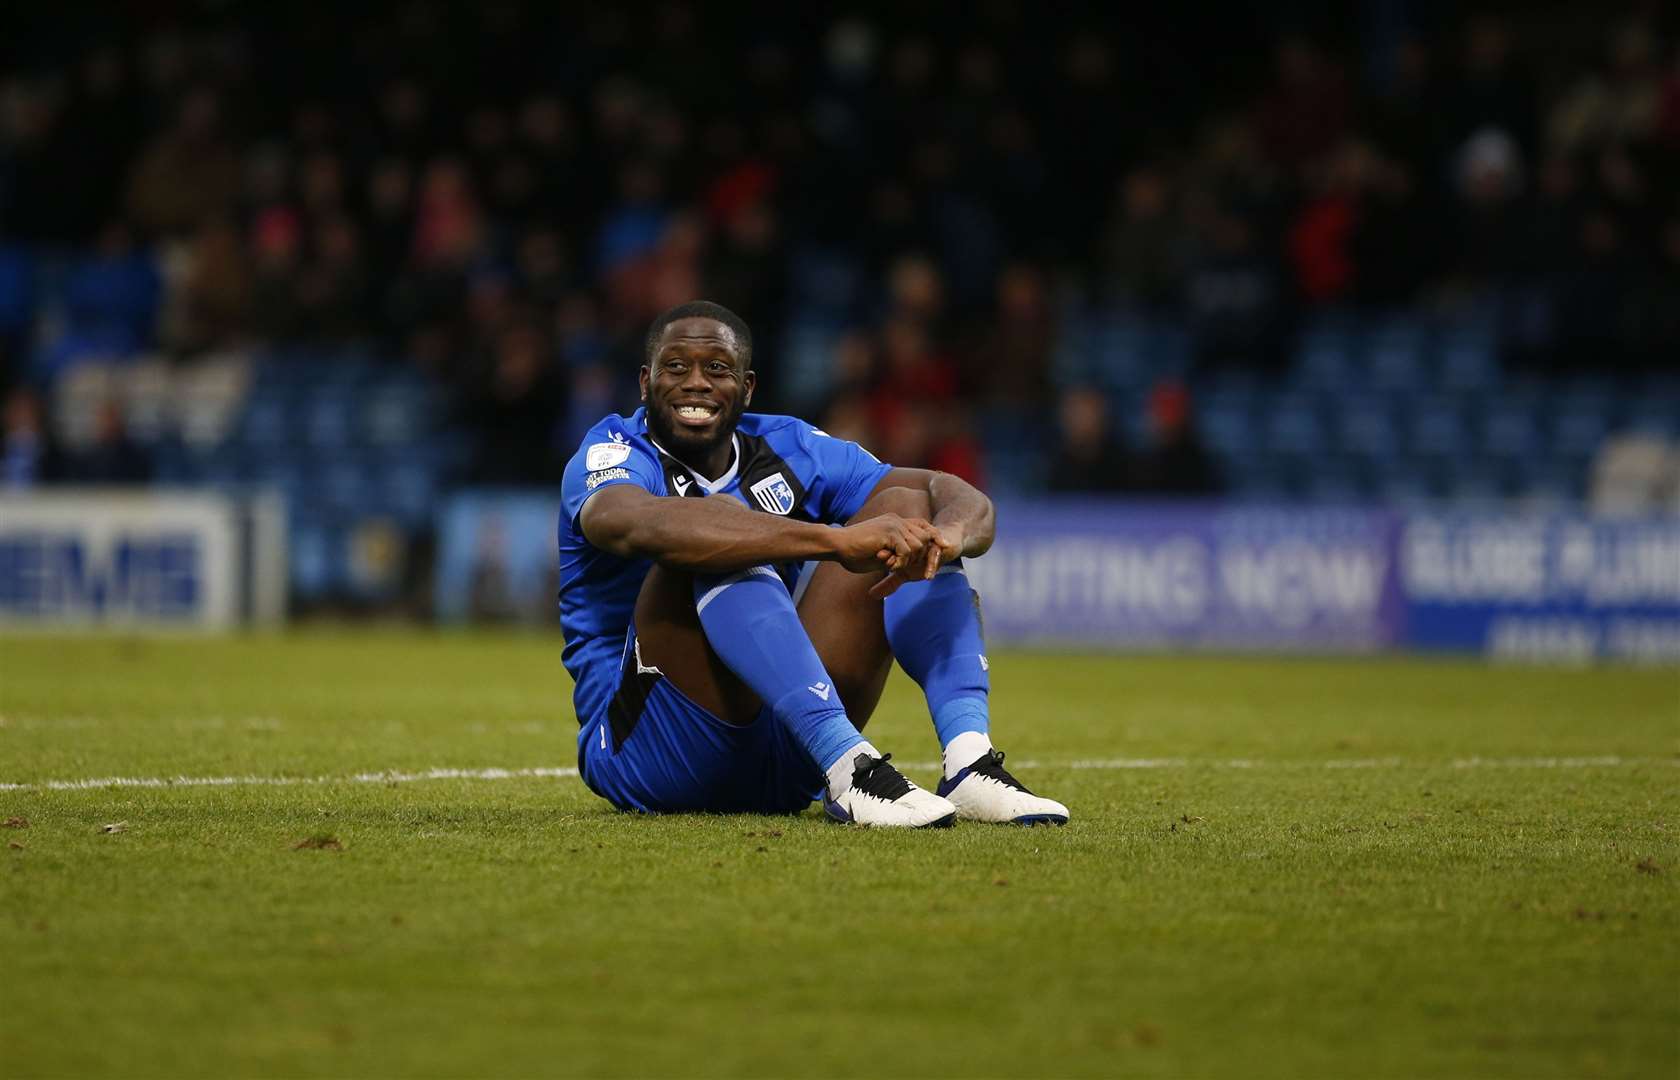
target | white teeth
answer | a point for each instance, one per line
(694, 412)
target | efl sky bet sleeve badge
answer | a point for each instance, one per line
(604, 455)
(774, 494)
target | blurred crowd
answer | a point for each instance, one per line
(502, 195)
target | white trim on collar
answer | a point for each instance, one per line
(710, 487)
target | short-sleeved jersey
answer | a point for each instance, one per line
(781, 465)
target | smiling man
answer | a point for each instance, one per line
(734, 589)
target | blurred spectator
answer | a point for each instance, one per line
(29, 455)
(1146, 243)
(515, 414)
(112, 457)
(1090, 458)
(1176, 462)
(189, 173)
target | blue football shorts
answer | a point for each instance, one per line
(652, 750)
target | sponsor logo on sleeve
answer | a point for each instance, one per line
(604, 455)
(596, 479)
(774, 494)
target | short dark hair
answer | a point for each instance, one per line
(699, 309)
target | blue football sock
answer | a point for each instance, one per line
(934, 630)
(751, 624)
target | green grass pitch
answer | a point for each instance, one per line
(1275, 868)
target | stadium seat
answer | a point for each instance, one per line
(807, 360)
(17, 290)
(1511, 428)
(1335, 480)
(1579, 424)
(1365, 427)
(329, 417)
(1226, 423)
(1436, 429)
(1467, 360)
(1120, 357)
(1394, 355)
(1293, 426)
(396, 412)
(316, 552)
(825, 282)
(1324, 359)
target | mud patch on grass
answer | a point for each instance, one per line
(321, 842)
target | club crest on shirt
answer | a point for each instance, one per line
(604, 455)
(774, 494)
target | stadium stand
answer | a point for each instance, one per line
(367, 272)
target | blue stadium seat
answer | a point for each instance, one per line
(1120, 356)
(1548, 480)
(1436, 429)
(1071, 361)
(1467, 359)
(808, 360)
(1335, 480)
(1257, 478)
(1471, 480)
(344, 484)
(1579, 425)
(1654, 416)
(1324, 358)
(396, 412)
(329, 418)
(407, 490)
(1226, 422)
(1405, 481)
(17, 289)
(316, 552)
(828, 282)
(1511, 428)
(267, 421)
(1293, 426)
(1394, 355)
(1365, 426)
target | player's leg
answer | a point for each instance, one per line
(734, 646)
(933, 628)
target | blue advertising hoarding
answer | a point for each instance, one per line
(1116, 574)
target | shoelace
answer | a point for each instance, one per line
(873, 776)
(991, 767)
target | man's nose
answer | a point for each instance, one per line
(696, 379)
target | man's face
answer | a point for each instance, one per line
(696, 387)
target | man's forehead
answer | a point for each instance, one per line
(699, 330)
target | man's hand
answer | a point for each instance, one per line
(888, 542)
(945, 546)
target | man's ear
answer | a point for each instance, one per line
(749, 381)
(642, 376)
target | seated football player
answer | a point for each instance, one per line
(734, 589)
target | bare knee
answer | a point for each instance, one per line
(903, 501)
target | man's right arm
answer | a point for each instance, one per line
(720, 535)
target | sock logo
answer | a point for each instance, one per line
(821, 689)
(985, 665)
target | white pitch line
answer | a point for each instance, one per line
(392, 777)
(559, 772)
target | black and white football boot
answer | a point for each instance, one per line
(985, 791)
(881, 796)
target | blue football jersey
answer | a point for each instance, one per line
(781, 465)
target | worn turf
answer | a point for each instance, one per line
(1280, 868)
